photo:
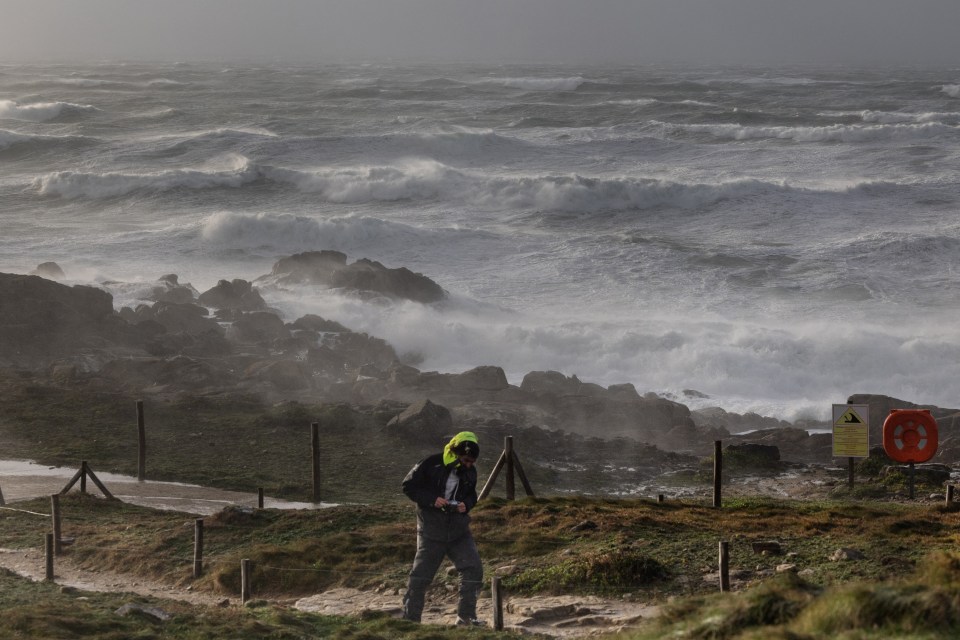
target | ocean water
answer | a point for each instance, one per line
(774, 238)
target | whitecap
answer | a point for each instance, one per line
(40, 111)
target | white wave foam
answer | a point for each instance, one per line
(744, 366)
(538, 84)
(40, 111)
(952, 90)
(290, 233)
(71, 184)
(832, 133)
(419, 180)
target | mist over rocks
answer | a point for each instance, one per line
(176, 346)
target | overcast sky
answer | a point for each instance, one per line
(566, 31)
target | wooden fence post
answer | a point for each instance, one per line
(55, 515)
(508, 453)
(259, 497)
(717, 471)
(497, 594)
(724, 566)
(83, 476)
(48, 552)
(660, 498)
(244, 580)
(198, 547)
(2, 501)
(141, 444)
(949, 494)
(315, 457)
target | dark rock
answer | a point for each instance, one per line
(285, 375)
(259, 327)
(315, 323)
(484, 378)
(623, 392)
(40, 319)
(424, 419)
(550, 383)
(330, 268)
(49, 270)
(169, 289)
(237, 295)
(751, 453)
(175, 318)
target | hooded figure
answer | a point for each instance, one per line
(444, 486)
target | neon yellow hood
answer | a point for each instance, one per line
(464, 436)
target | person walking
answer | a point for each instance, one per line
(444, 486)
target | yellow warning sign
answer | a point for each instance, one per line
(851, 431)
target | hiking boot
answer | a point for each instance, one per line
(470, 622)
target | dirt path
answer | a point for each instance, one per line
(561, 616)
(30, 563)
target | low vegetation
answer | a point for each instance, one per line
(908, 579)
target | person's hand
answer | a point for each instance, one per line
(462, 508)
(440, 502)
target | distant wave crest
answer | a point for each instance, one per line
(296, 233)
(10, 139)
(40, 111)
(832, 133)
(538, 84)
(74, 184)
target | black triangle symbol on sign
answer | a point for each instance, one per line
(850, 417)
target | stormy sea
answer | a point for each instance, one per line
(773, 239)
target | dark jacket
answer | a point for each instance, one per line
(425, 483)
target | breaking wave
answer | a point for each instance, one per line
(286, 232)
(952, 90)
(40, 111)
(74, 184)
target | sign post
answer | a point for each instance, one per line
(851, 433)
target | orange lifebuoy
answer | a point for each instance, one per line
(910, 435)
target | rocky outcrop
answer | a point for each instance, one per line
(234, 295)
(169, 289)
(330, 268)
(49, 270)
(41, 319)
(423, 419)
(259, 327)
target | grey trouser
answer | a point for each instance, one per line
(430, 553)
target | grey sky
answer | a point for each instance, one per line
(568, 31)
